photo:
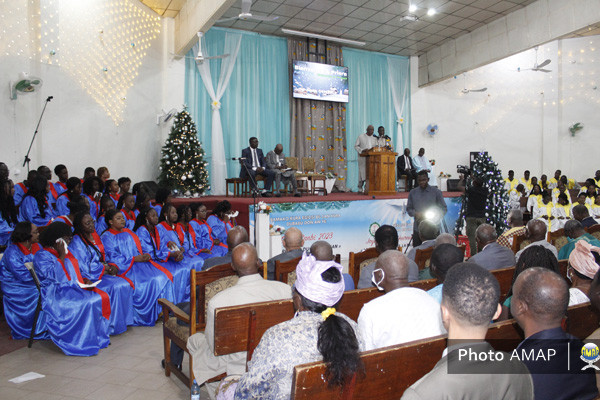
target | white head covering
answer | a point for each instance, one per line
(311, 285)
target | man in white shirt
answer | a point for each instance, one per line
(250, 288)
(404, 313)
(364, 142)
(421, 163)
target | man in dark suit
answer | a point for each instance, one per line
(491, 255)
(292, 242)
(404, 166)
(254, 161)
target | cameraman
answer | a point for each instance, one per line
(475, 196)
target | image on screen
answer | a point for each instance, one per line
(320, 82)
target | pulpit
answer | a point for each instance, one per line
(381, 171)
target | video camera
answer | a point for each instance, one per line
(463, 169)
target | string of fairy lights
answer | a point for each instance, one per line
(100, 44)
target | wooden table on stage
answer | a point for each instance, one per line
(381, 171)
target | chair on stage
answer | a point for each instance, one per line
(308, 167)
(404, 180)
(240, 186)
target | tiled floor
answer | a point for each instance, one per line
(128, 369)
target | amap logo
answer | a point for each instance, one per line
(590, 353)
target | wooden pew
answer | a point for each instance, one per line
(391, 370)
(504, 276)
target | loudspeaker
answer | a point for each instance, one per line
(453, 185)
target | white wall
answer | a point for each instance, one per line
(76, 130)
(522, 120)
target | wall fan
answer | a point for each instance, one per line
(246, 14)
(25, 84)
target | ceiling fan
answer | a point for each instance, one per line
(200, 58)
(246, 14)
(466, 91)
(537, 67)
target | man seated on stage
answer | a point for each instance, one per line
(510, 183)
(425, 202)
(386, 238)
(582, 214)
(421, 163)
(525, 180)
(469, 302)
(491, 255)
(403, 313)
(275, 160)
(539, 304)
(536, 233)
(292, 243)
(253, 163)
(384, 140)
(250, 288)
(516, 228)
(235, 236)
(404, 166)
(444, 257)
(428, 232)
(364, 142)
(553, 182)
(575, 232)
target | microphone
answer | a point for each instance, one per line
(238, 159)
(49, 98)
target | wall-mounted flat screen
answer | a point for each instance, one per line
(320, 81)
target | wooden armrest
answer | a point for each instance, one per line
(170, 307)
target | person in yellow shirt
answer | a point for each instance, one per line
(553, 183)
(526, 180)
(544, 211)
(595, 208)
(559, 190)
(562, 211)
(569, 183)
(581, 200)
(535, 199)
(510, 183)
(544, 182)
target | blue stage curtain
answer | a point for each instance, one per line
(371, 101)
(256, 102)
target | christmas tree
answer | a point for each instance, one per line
(182, 165)
(496, 205)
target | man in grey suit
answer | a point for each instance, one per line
(491, 254)
(275, 160)
(470, 298)
(292, 243)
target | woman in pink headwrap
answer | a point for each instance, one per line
(317, 332)
(581, 271)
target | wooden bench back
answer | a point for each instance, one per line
(355, 259)
(505, 277)
(284, 270)
(422, 257)
(391, 370)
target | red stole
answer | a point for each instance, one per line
(54, 192)
(209, 232)
(181, 233)
(103, 295)
(34, 248)
(24, 188)
(64, 219)
(130, 215)
(62, 185)
(115, 197)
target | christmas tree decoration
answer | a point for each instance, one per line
(182, 165)
(496, 206)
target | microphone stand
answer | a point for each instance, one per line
(254, 193)
(27, 159)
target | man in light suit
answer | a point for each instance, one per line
(404, 166)
(470, 298)
(254, 161)
(491, 254)
(276, 162)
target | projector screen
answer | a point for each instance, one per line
(320, 82)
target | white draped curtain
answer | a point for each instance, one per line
(399, 86)
(219, 168)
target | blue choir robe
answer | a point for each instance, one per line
(6, 229)
(151, 280)
(130, 217)
(61, 204)
(60, 187)
(115, 198)
(158, 208)
(219, 228)
(154, 245)
(20, 192)
(29, 211)
(204, 240)
(93, 206)
(120, 291)
(20, 294)
(101, 224)
(76, 318)
(64, 219)
(187, 239)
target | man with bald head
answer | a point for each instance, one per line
(539, 304)
(403, 313)
(536, 233)
(364, 142)
(275, 160)
(293, 240)
(235, 236)
(491, 255)
(322, 251)
(250, 288)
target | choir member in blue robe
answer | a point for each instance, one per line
(63, 175)
(185, 232)
(52, 193)
(163, 196)
(88, 248)
(142, 201)
(210, 247)
(106, 204)
(171, 259)
(20, 293)
(34, 207)
(22, 188)
(8, 212)
(151, 280)
(127, 206)
(71, 194)
(219, 221)
(90, 189)
(111, 188)
(76, 318)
